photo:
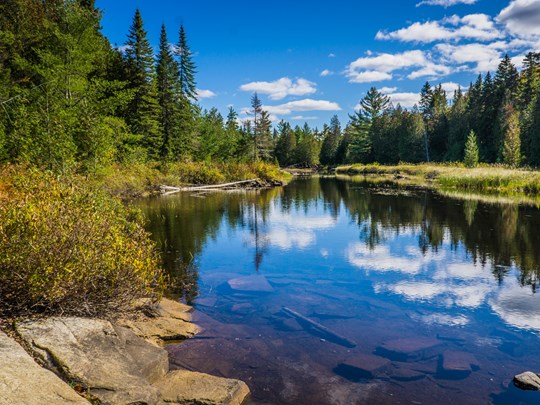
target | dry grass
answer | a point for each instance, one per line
(486, 178)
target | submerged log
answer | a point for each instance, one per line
(171, 190)
(321, 329)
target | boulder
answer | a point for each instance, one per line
(188, 387)
(409, 349)
(24, 382)
(456, 364)
(114, 364)
(527, 381)
(362, 365)
(251, 284)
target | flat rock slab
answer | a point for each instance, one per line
(24, 382)
(159, 329)
(527, 381)
(188, 387)
(113, 363)
(409, 349)
(458, 363)
(174, 309)
(366, 365)
(252, 284)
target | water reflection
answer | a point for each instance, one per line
(371, 261)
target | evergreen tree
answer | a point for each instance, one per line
(286, 144)
(256, 110)
(187, 67)
(511, 148)
(142, 113)
(371, 106)
(331, 142)
(168, 88)
(471, 151)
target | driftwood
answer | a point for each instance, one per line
(321, 329)
(166, 190)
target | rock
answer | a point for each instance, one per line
(159, 329)
(406, 374)
(458, 364)
(409, 349)
(364, 365)
(188, 387)
(111, 362)
(24, 382)
(252, 284)
(174, 309)
(527, 381)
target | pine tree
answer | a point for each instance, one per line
(286, 144)
(256, 110)
(187, 67)
(168, 88)
(471, 151)
(511, 152)
(371, 106)
(331, 142)
(143, 111)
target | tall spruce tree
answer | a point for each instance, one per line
(256, 110)
(511, 147)
(187, 68)
(168, 91)
(142, 113)
(371, 107)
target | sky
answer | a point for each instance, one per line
(309, 60)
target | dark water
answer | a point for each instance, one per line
(437, 293)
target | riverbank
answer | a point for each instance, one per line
(490, 179)
(142, 180)
(93, 360)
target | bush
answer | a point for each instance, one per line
(65, 248)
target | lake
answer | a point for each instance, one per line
(342, 291)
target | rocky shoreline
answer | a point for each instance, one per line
(68, 360)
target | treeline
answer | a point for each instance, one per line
(496, 121)
(69, 100)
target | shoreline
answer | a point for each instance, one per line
(92, 360)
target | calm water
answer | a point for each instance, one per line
(436, 293)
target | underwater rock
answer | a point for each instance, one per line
(362, 365)
(253, 284)
(457, 364)
(409, 349)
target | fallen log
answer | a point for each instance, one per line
(172, 190)
(321, 329)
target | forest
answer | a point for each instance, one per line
(73, 102)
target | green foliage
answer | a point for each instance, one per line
(471, 151)
(511, 152)
(65, 248)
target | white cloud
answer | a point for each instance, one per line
(521, 17)
(431, 70)
(205, 93)
(406, 100)
(301, 106)
(478, 27)
(326, 72)
(484, 57)
(281, 88)
(379, 67)
(388, 90)
(445, 3)
(331, 55)
(302, 118)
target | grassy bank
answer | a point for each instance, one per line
(454, 176)
(69, 246)
(144, 179)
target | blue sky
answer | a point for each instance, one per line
(309, 60)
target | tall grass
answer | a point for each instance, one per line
(492, 178)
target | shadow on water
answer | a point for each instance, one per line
(438, 292)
